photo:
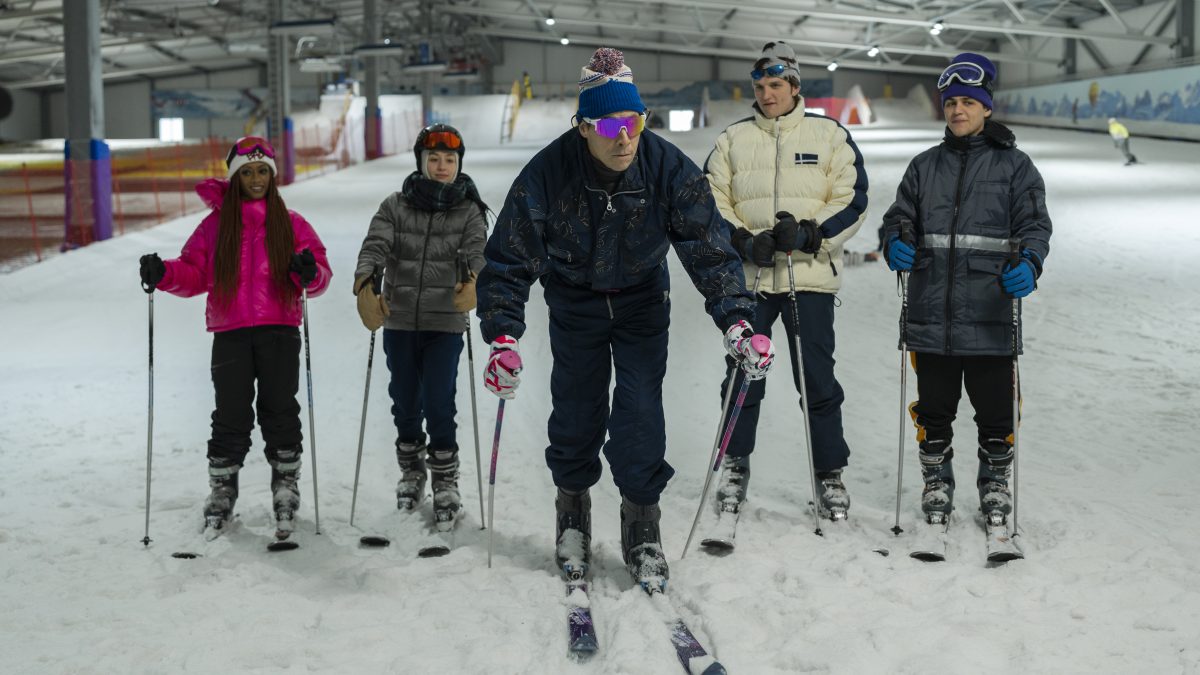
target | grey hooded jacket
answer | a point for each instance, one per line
(417, 251)
(967, 199)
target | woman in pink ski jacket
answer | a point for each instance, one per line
(254, 258)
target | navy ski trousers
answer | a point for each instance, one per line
(424, 369)
(825, 395)
(591, 335)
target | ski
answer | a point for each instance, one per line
(283, 534)
(723, 537)
(581, 632)
(1001, 547)
(215, 526)
(695, 659)
(930, 544)
(436, 544)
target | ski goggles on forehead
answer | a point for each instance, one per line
(774, 70)
(610, 127)
(441, 139)
(251, 144)
(967, 73)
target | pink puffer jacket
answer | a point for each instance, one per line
(256, 303)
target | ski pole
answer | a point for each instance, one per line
(312, 431)
(812, 467)
(377, 286)
(721, 442)
(149, 410)
(506, 361)
(464, 273)
(1015, 250)
(908, 236)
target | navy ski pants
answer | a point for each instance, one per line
(591, 335)
(268, 356)
(424, 369)
(825, 394)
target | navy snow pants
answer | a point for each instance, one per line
(825, 395)
(424, 369)
(591, 334)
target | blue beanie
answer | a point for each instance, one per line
(606, 86)
(980, 93)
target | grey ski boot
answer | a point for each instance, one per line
(218, 507)
(937, 500)
(733, 484)
(834, 499)
(995, 470)
(641, 545)
(285, 489)
(410, 490)
(447, 502)
(573, 533)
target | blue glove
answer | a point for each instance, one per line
(900, 255)
(1020, 281)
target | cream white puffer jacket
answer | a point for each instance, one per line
(811, 162)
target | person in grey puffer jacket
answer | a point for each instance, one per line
(963, 202)
(418, 241)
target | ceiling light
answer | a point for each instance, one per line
(832, 66)
(937, 28)
(873, 51)
(550, 21)
(564, 41)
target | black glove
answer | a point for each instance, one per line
(791, 235)
(304, 264)
(152, 271)
(763, 249)
(742, 242)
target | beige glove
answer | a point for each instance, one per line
(464, 295)
(372, 309)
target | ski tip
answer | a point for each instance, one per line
(715, 669)
(285, 545)
(881, 551)
(717, 546)
(584, 646)
(1005, 556)
(374, 541)
(928, 556)
(433, 551)
(186, 555)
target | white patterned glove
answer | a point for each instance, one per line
(502, 374)
(754, 352)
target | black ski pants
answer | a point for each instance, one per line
(940, 382)
(268, 356)
(591, 335)
(825, 395)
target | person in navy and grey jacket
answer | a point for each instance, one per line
(965, 201)
(592, 216)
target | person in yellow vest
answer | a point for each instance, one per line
(1120, 136)
(792, 185)
(526, 85)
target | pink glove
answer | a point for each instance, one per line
(501, 376)
(753, 351)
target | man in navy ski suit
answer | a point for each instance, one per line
(591, 217)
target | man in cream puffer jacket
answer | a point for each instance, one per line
(792, 185)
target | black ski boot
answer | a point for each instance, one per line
(834, 499)
(641, 545)
(218, 508)
(447, 502)
(573, 533)
(937, 500)
(285, 489)
(733, 484)
(410, 490)
(995, 469)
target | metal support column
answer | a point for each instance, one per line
(87, 171)
(1185, 29)
(374, 119)
(279, 120)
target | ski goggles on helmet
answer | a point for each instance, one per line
(773, 70)
(250, 145)
(441, 139)
(610, 127)
(971, 74)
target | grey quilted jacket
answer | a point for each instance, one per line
(417, 251)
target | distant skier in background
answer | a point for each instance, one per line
(965, 200)
(252, 256)
(1120, 136)
(414, 241)
(591, 217)
(793, 186)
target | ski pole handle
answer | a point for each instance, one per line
(464, 270)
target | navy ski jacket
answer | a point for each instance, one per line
(558, 225)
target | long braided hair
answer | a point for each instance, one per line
(281, 244)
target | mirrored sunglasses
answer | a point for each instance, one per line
(441, 139)
(775, 70)
(610, 127)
